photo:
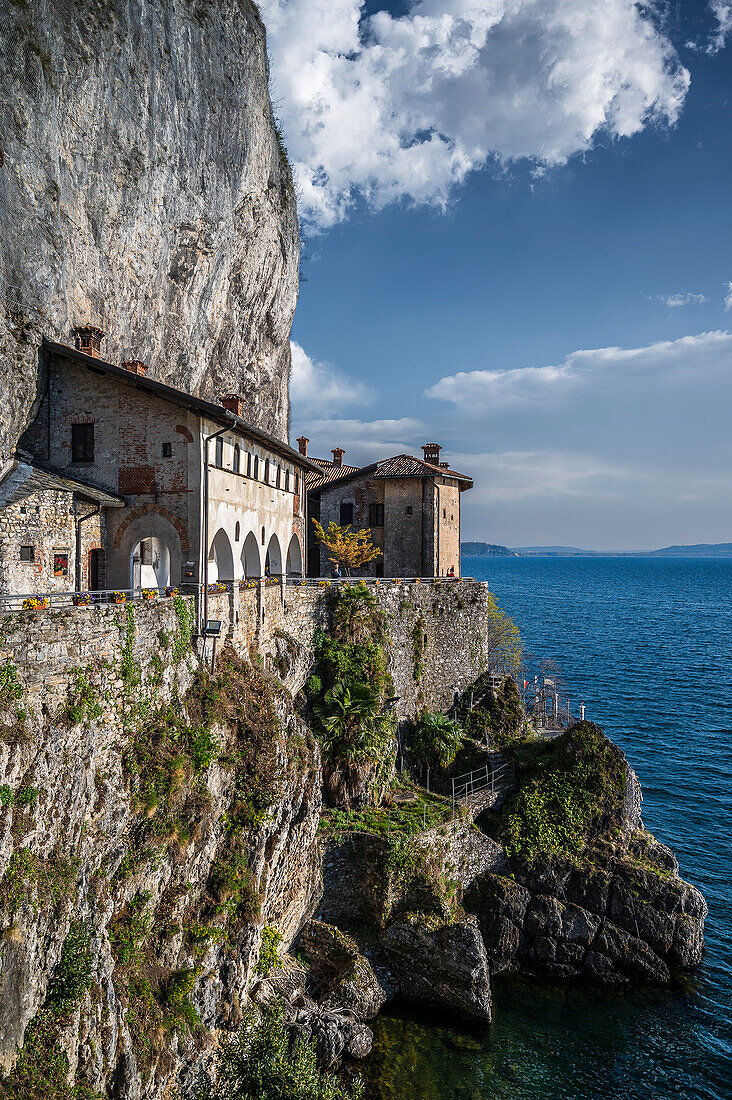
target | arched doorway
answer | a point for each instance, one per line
(150, 564)
(294, 557)
(220, 559)
(273, 561)
(251, 562)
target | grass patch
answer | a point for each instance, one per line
(407, 818)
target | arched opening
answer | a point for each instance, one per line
(256, 466)
(266, 471)
(249, 464)
(273, 561)
(150, 564)
(294, 558)
(220, 558)
(237, 458)
(251, 562)
(287, 481)
(279, 477)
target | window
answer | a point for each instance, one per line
(249, 465)
(237, 531)
(237, 458)
(408, 511)
(297, 483)
(346, 513)
(27, 553)
(219, 459)
(266, 471)
(279, 476)
(287, 481)
(444, 513)
(376, 515)
(82, 442)
(263, 536)
(256, 467)
(60, 563)
(167, 450)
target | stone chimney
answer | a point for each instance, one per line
(233, 403)
(303, 445)
(135, 366)
(88, 338)
(432, 453)
(338, 454)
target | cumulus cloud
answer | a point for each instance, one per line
(722, 12)
(682, 360)
(541, 474)
(404, 107)
(681, 298)
(364, 441)
(318, 389)
(728, 297)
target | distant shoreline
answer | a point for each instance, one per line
(716, 551)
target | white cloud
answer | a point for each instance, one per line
(722, 12)
(728, 297)
(484, 391)
(681, 298)
(509, 476)
(317, 389)
(393, 108)
(364, 441)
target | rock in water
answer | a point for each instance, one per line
(147, 193)
(442, 967)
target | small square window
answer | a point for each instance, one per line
(27, 553)
(408, 511)
(167, 450)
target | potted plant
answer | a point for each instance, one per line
(81, 599)
(35, 603)
(118, 597)
(149, 594)
(171, 590)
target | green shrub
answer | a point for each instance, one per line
(268, 950)
(11, 688)
(436, 739)
(260, 1064)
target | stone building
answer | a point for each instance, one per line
(411, 506)
(169, 474)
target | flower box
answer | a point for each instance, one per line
(35, 603)
(149, 594)
(171, 590)
(81, 599)
(118, 597)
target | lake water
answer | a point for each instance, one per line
(647, 643)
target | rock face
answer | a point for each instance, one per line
(145, 191)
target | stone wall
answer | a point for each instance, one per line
(44, 522)
(437, 633)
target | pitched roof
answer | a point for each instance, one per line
(181, 398)
(24, 478)
(396, 466)
(330, 472)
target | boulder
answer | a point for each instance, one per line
(443, 966)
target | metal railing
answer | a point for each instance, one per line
(492, 776)
(323, 582)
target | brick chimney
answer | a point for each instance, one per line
(233, 403)
(135, 366)
(432, 453)
(88, 338)
(303, 445)
(338, 454)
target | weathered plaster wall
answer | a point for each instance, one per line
(147, 194)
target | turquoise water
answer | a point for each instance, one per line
(648, 645)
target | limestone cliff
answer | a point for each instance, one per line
(144, 189)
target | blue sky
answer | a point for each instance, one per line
(518, 243)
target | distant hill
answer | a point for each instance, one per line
(697, 550)
(694, 550)
(486, 550)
